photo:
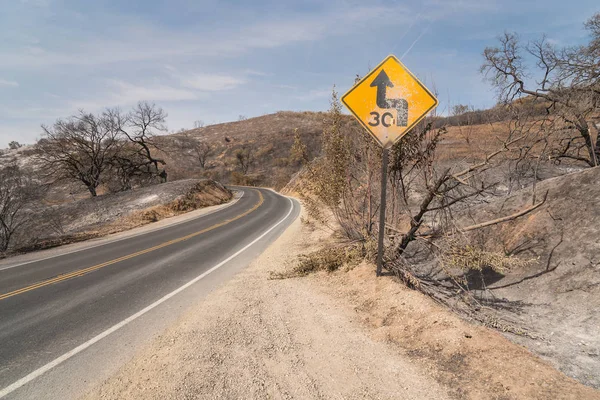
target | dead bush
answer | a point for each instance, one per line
(281, 162)
(325, 259)
(467, 257)
(149, 216)
(238, 178)
(203, 194)
(189, 202)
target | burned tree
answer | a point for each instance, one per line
(568, 89)
(14, 145)
(244, 157)
(199, 150)
(463, 116)
(78, 149)
(140, 127)
(85, 147)
(16, 190)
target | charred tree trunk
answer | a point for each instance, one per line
(417, 219)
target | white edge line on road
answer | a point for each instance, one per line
(111, 241)
(42, 370)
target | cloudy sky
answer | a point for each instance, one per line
(215, 60)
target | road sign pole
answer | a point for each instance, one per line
(388, 103)
(382, 206)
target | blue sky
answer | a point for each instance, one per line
(215, 60)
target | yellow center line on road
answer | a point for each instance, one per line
(80, 272)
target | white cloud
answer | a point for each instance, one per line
(255, 73)
(36, 3)
(32, 112)
(314, 94)
(4, 82)
(132, 42)
(123, 93)
(211, 82)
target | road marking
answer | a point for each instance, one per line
(108, 240)
(42, 370)
(81, 272)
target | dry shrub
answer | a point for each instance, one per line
(192, 200)
(238, 178)
(281, 162)
(314, 210)
(325, 259)
(151, 215)
(467, 257)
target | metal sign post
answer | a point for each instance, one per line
(388, 103)
(382, 207)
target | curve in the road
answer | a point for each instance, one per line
(81, 272)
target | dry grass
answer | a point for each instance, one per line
(330, 258)
(467, 257)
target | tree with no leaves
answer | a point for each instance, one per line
(199, 150)
(568, 87)
(140, 128)
(78, 149)
(245, 158)
(464, 120)
(83, 148)
(15, 192)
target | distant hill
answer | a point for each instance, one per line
(269, 139)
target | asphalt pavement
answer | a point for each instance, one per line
(68, 321)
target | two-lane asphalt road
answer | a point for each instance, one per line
(55, 311)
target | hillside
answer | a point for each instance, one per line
(558, 295)
(266, 128)
(47, 225)
(269, 139)
(266, 139)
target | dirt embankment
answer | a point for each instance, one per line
(557, 297)
(49, 226)
(341, 335)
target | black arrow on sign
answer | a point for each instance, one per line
(382, 82)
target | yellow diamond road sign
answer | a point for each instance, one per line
(389, 101)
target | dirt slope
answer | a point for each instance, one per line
(51, 225)
(563, 305)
